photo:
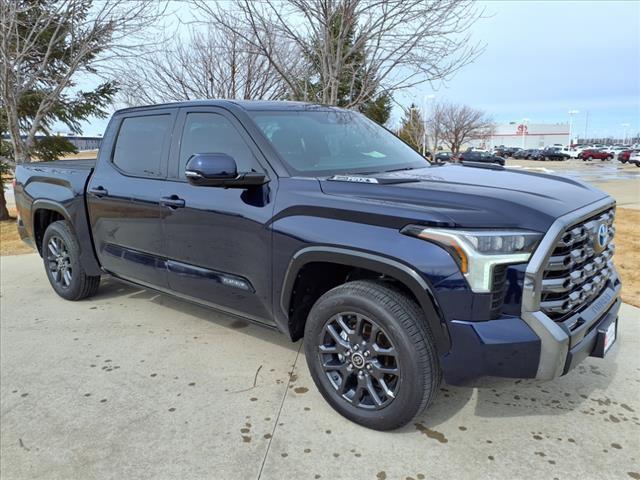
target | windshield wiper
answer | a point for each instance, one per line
(399, 169)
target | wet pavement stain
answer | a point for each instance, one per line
(634, 475)
(381, 475)
(246, 438)
(616, 445)
(238, 324)
(301, 390)
(434, 434)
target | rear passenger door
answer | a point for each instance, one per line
(218, 245)
(123, 196)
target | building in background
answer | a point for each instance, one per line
(529, 135)
(81, 142)
(524, 135)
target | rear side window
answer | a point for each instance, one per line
(140, 144)
(213, 133)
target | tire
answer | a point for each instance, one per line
(401, 326)
(61, 257)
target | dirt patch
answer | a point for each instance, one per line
(627, 256)
(10, 242)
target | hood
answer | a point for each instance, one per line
(470, 197)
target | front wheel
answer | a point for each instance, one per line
(371, 354)
(61, 256)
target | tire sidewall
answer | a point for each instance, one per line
(60, 229)
(407, 403)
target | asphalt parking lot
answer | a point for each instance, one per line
(133, 384)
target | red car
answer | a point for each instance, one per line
(624, 155)
(591, 153)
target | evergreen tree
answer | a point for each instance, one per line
(412, 127)
(351, 79)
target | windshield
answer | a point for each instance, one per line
(328, 142)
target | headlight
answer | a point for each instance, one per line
(477, 251)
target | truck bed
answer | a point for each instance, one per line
(55, 188)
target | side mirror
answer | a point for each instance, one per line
(220, 170)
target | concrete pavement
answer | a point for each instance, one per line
(132, 384)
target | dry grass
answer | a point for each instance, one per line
(627, 257)
(10, 242)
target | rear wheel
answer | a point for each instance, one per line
(61, 256)
(371, 354)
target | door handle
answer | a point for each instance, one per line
(173, 201)
(99, 191)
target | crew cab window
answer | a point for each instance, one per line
(213, 133)
(138, 149)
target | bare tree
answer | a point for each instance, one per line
(381, 45)
(211, 64)
(458, 124)
(46, 45)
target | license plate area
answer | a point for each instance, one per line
(607, 335)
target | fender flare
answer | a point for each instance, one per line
(399, 271)
(87, 254)
(41, 204)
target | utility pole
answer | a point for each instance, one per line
(586, 126)
(571, 114)
(625, 126)
(424, 123)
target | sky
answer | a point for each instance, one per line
(545, 58)
(542, 59)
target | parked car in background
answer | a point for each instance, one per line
(535, 154)
(624, 155)
(484, 157)
(598, 154)
(443, 157)
(571, 152)
(635, 158)
(554, 153)
(506, 152)
(524, 154)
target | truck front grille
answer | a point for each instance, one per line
(575, 273)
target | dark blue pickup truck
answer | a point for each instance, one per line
(320, 223)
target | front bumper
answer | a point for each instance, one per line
(509, 347)
(533, 345)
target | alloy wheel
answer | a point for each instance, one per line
(59, 262)
(359, 360)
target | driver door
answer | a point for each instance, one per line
(218, 247)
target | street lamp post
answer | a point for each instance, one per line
(625, 126)
(428, 98)
(571, 114)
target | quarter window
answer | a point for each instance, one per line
(139, 145)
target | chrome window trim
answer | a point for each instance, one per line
(554, 340)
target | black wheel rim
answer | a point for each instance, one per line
(59, 262)
(359, 360)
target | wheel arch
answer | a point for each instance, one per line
(362, 263)
(44, 213)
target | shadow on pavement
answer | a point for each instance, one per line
(111, 288)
